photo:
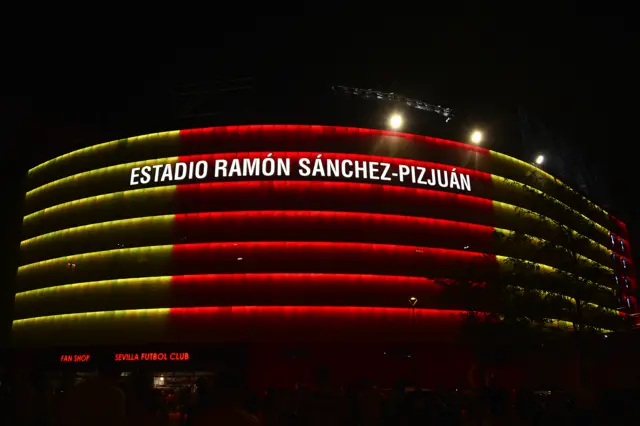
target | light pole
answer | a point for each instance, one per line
(413, 301)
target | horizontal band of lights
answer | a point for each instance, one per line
(391, 160)
(158, 282)
(257, 129)
(569, 326)
(547, 176)
(242, 281)
(165, 223)
(549, 222)
(289, 311)
(84, 175)
(168, 190)
(266, 246)
(525, 187)
(99, 148)
(506, 263)
(230, 187)
(572, 300)
(256, 314)
(231, 249)
(261, 186)
(166, 220)
(130, 313)
(161, 282)
(539, 242)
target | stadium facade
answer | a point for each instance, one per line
(290, 233)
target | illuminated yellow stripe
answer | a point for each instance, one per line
(568, 325)
(541, 242)
(96, 149)
(163, 281)
(128, 313)
(163, 220)
(97, 172)
(570, 299)
(159, 190)
(160, 280)
(549, 222)
(164, 312)
(561, 324)
(548, 176)
(526, 187)
(503, 261)
(165, 249)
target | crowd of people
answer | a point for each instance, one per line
(109, 398)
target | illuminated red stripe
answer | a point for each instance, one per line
(311, 130)
(623, 235)
(231, 248)
(330, 215)
(632, 282)
(337, 226)
(322, 257)
(265, 257)
(211, 158)
(311, 323)
(621, 225)
(301, 317)
(302, 279)
(302, 289)
(316, 188)
(325, 311)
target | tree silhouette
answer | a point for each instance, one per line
(586, 283)
(504, 315)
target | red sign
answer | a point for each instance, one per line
(75, 358)
(152, 356)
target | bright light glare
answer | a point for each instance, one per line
(395, 121)
(539, 159)
(476, 137)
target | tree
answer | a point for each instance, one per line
(587, 282)
(504, 316)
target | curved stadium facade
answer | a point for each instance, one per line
(297, 233)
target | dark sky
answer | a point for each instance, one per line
(576, 74)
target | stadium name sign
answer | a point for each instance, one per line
(318, 167)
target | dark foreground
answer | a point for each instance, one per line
(202, 398)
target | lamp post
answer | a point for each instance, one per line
(413, 301)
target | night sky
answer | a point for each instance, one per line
(575, 75)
